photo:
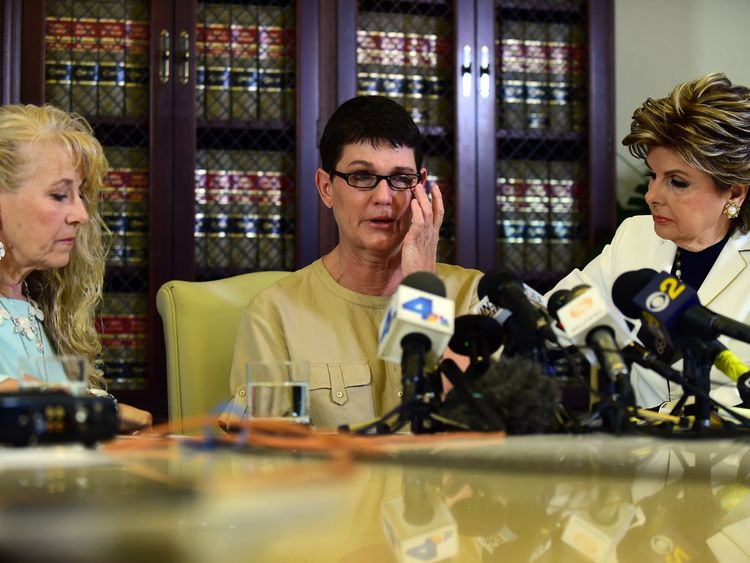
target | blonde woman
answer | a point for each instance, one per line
(51, 242)
(695, 143)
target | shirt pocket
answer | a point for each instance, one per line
(340, 393)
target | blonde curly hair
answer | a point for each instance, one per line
(707, 123)
(68, 295)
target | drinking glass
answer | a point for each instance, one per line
(278, 390)
(67, 373)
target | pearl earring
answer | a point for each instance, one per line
(731, 209)
(2, 250)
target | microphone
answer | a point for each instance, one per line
(673, 310)
(506, 290)
(418, 524)
(521, 398)
(477, 337)
(419, 319)
(588, 320)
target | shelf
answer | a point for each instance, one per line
(568, 11)
(260, 135)
(422, 7)
(541, 145)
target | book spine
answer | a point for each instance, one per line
(244, 95)
(511, 86)
(85, 53)
(218, 61)
(111, 94)
(275, 69)
(58, 47)
(136, 59)
(122, 324)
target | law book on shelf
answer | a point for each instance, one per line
(565, 237)
(536, 79)
(111, 88)
(276, 98)
(125, 206)
(218, 60)
(84, 55)
(510, 216)
(535, 205)
(244, 30)
(58, 63)
(200, 61)
(276, 212)
(511, 94)
(136, 58)
(122, 323)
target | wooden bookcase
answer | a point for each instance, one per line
(213, 175)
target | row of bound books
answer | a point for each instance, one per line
(244, 210)
(124, 205)
(245, 62)
(540, 78)
(539, 216)
(97, 57)
(123, 327)
(409, 59)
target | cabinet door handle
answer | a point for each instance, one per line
(165, 55)
(466, 71)
(484, 71)
(184, 58)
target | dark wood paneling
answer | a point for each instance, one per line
(465, 180)
(32, 52)
(308, 104)
(602, 196)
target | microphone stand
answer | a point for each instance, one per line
(697, 370)
(418, 400)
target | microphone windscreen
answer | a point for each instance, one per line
(517, 390)
(475, 330)
(425, 281)
(627, 286)
(557, 300)
(492, 281)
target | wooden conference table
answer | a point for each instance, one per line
(536, 498)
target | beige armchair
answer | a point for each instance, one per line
(200, 325)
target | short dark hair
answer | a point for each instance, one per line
(373, 119)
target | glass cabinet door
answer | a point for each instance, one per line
(97, 65)
(542, 123)
(245, 156)
(404, 50)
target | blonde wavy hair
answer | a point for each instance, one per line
(707, 123)
(69, 295)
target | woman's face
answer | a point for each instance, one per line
(39, 221)
(376, 220)
(685, 203)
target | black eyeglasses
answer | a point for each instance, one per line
(367, 181)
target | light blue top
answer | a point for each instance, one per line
(12, 344)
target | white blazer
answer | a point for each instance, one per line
(726, 290)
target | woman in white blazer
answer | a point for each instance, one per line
(696, 145)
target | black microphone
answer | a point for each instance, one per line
(477, 337)
(673, 308)
(505, 289)
(518, 393)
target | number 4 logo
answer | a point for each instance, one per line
(420, 305)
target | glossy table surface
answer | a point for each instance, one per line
(525, 498)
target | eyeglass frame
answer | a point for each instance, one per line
(378, 178)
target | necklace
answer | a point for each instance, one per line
(26, 326)
(677, 270)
